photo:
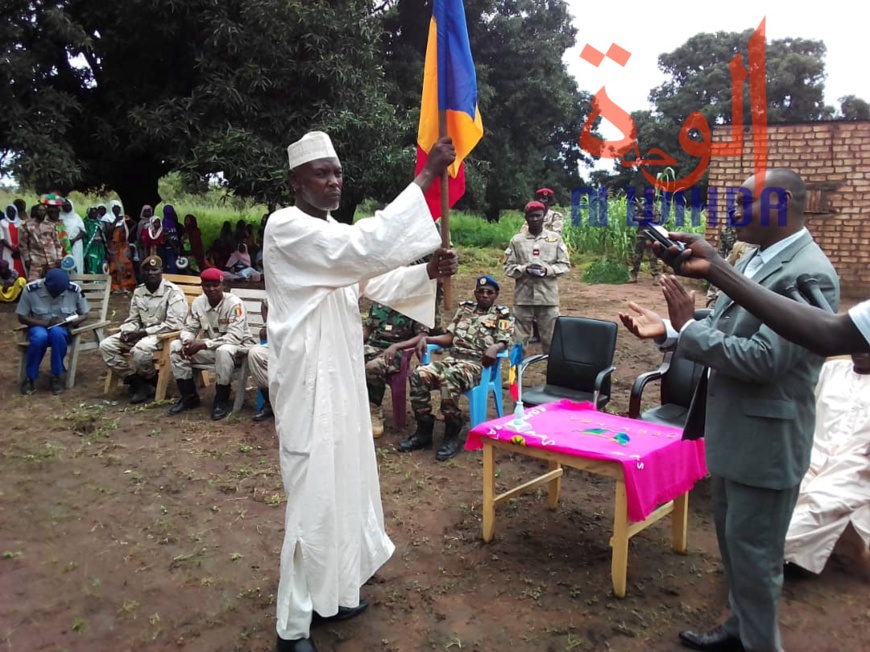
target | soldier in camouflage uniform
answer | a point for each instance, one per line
(640, 249)
(386, 334)
(479, 331)
(536, 259)
(39, 244)
(157, 307)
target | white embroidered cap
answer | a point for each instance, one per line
(312, 146)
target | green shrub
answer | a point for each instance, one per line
(606, 271)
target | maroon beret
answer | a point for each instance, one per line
(534, 206)
(544, 191)
(212, 275)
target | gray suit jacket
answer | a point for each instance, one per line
(760, 408)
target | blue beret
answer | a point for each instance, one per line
(488, 280)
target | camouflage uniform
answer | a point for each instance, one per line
(163, 311)
(225, 332)
(553, 221)
(473, 333)
(386, 327)
(536, 297)
(40, 247)
(640, 248)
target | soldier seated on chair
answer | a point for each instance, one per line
(222, 319)
(480, 330)
(258, 363)
(386, 333)
(157, 307)
(49, 307)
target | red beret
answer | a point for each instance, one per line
(534, 206)
(212, 275)
(544, 191)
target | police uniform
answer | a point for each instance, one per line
(159, 312)
(37, 303)
(385, 327)
(536, 298)
(40, 247)
(473, 332)
(225, 333)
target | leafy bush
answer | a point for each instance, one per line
(606, 271)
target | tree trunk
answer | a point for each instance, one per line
(136, 190)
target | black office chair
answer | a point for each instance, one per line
(678, 377)
(579, 365)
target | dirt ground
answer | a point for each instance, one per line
(122, 528)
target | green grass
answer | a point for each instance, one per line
(482, 243)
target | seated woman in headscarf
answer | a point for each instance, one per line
(239, 266)
(120, 254)
(95, 243)
(11, 283)
(191, 245)
(172, 242)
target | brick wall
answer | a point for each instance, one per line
(834, 160)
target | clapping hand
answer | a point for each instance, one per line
(681, 304)
(644, 323)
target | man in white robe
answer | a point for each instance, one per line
(836, 489)
(316, 269)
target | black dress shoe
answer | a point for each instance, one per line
(297, 645)
(716, 640)
(265, 413)
(344, 613)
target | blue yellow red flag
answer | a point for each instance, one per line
(515, 361)
(449, 85)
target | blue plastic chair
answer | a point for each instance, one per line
(478, 397)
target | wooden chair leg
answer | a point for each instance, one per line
(110, 380)
(74, 362)
(242, 386)
(488, 491)
(554, 486)
(22, 365)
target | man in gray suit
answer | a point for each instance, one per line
(760, 410)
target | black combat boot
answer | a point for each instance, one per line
(188, 400)
(452, 444)
(140, 389)
(265, 413)
(422, 437)
(221, 407)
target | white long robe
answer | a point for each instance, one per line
(74, 225)
(315, 272)
(836, 489)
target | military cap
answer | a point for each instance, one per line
(488, 280)
(212, 275)
(546, 192)
(534, 206)
(152, 262)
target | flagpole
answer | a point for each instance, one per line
(445, 213)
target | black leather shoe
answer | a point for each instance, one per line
(57, 385)
(297, 645)
(716, 640)
(265, 413)
(344, 613)
(27, 387)
(221, 407)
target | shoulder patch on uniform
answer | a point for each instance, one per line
(75, 287)
(552, 238)
(503, 310)
(34, 285)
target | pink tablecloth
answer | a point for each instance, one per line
(658, 464)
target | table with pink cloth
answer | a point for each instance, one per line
(654, 468)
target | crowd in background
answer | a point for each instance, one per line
(108, 240)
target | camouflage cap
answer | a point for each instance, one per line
(152, 262)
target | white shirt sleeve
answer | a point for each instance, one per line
(860, 315)
(670, 340)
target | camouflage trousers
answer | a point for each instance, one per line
(451, 377)
(640, 249)
(377, 371)
(141, 360)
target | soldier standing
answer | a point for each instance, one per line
(223, 321)
(157, 307)
(49, 307)
(553, 220)
(480, 330)
(536, 259)
(386, 334)
(39, 244)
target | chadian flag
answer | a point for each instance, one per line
(449, 84)
(516, 359)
